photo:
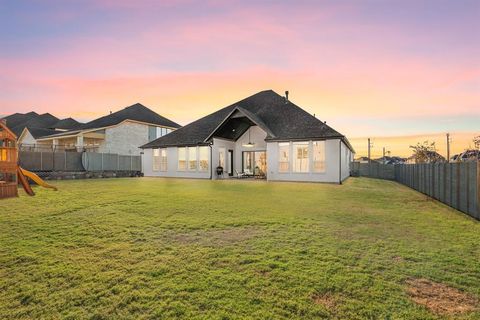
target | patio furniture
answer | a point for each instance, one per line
(220, 171)
(240, 175)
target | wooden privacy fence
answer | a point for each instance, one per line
(455, 184)
(78, 161)
(373, 170)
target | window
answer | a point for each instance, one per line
(221, 157)
(203, 158)
(319, 156)
(283, 157)
(156, 159)
(192, 158)
(163, 160)
(182, 159)
(300, 150)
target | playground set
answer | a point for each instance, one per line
(10, 172)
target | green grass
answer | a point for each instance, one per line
(164, 248)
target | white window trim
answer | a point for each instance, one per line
(166, 158)
(292, 155)
(154, 168)
(178, 159)
(324, 157)
(198, 159)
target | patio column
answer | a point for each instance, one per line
(54, 144)
(79, 144)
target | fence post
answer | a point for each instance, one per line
(131, 165)
(41, 160)
(478, 189)
(102, 160)
(118, 162)
(65, 156)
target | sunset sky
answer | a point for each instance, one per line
(397, 71)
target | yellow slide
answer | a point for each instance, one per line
(37, 179)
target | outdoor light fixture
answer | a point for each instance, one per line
(249, 144)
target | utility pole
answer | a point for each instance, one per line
(448, 147)
(369, 159)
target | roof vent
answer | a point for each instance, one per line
(286, 96)
(111, 112)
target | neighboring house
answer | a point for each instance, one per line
(31, 126)
(364, 160)
(391, 160)
(430, 157)
(468, 155)
(264, 134)
(121, 132)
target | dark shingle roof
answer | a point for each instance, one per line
(41, 132)
(39, 121)
(16, 119)
(137, 112)
(284, 120)
(66, 124)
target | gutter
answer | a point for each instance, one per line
(340, 161)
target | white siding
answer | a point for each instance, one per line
(172, 166)
(332, 162)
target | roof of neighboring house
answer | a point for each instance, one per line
(40, 121)
(280, 118)
(136, 112)
(15, 119)
(41, 132)
(38, 124)
(66, 124)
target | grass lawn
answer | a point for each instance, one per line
(151, 248)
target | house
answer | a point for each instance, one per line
(30, 126)
(120, 132)
(468, 155)
(365, 160)
(426, 157)
(266, 135)
(391, 160)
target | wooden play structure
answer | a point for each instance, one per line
(10, 173)
(8, 162)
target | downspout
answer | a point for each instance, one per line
(211, 159)
(340, 161)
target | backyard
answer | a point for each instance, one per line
(146, 248)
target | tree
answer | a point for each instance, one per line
(426, 153)
(476, 142)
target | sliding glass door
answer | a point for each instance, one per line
(255, 162)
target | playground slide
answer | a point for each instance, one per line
(23, 180)
(36, 179)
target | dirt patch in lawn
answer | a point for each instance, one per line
(216, 237)
(440, 298)
(327, 300)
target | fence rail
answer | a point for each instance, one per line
(78, 161)
(455, 184)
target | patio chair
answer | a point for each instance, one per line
(240, 175)
(248, 173)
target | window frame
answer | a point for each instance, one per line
(189, 160)
(163, 165)
(184, 149)
(323, 157)
(288, 161)
(156, 159)
(199, 156)
(295, 145)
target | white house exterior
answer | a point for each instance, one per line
(121, 132)
(259, 136)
